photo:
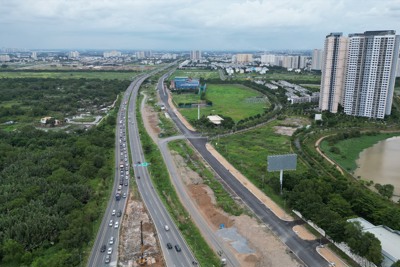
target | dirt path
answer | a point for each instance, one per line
(178, 114)
(326, 157)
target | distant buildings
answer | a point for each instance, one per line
(34, 55)
(195, 55)
(73, 54)
(287, 61)
(4, 58)
(112, 54)
(242, 58)
(359, 73)
(317, 59)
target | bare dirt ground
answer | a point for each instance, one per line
(130, 248)
(269, 250)
(290, 125)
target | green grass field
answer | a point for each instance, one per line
(109, 75)
(206, 74)
(350, 149)
(248, 153)
(230, 100)
(287, 76)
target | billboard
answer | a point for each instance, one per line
(282, 162)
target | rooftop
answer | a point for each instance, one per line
(389, 238)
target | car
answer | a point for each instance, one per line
(108, 259)
(177, 248)
(111, 223)
(138, 162)
(111, 240)
(113, 213)
(169, 245)
(166, 227)
(109, 251)
(116, 225)
(119, 213)
(127, 177)
(138, 177)
(103, 248)
(124, 195)
(126, 183)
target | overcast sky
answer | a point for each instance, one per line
(188, 24)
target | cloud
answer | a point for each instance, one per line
(146, 21)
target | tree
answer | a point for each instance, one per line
(12, 251)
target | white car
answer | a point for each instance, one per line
(116, 225)
(109, 251)
(113, 213)
(111, 240)
(111, 223)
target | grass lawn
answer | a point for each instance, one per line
(287, 76)
(231, 100)
(248, 153)
(206, 74)
(351, 148)
(109, 75)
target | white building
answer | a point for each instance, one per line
(112, 54)
(243, 58)
(73, 54)
(389, 238)
(370, 73)
(195, 55)
(317, 56)
(4, 58)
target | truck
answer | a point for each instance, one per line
(117, 196)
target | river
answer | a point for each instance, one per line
(381, 163)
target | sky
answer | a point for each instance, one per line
(259, 25)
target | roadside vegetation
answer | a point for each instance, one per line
(54, 187)
(224, 200)
(25, 101)
(65, 74)
(159, 174)
(345, 148)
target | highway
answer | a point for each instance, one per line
(155, 207)
(153, 204)
(105, 232)
(304, 250)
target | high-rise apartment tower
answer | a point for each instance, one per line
(370, 73)
(333, 70)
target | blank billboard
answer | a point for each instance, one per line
(282, 162)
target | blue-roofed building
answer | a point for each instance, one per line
(185, 83)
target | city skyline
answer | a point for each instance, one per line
(187, 25)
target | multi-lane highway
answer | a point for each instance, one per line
(105, 250)
(159, 215)
(304, 250)
(178, 254)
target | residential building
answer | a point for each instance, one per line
(333, 72)
(317, 57)
(140, 54)
(73, 54)
(243, 58)
(195, 55)
(112, 54)
(370, 73)
(34, 55)
(4, 58)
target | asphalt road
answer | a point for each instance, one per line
(304, 250)
(157, 211)
(105, 232)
